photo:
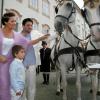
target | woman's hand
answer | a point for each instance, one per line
(18, 93)
(3, 59)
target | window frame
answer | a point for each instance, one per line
(35, 23)
(35, 6)
(46, 28)
(43, 12)
(20, 1)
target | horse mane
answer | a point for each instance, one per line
(59, 0)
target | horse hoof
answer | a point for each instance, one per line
(98, 93)
(91, 91)
(61, 90)
(57, 93)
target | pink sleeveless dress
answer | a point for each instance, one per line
(4, 67)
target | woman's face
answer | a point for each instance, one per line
(11, 23)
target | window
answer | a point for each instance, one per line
(35, 24)
(20, 1)
(45, 29)
(16, 28)
(33, 4)
(46, 7)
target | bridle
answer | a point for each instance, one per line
(85, 2)
(84, 15)
(73, 10)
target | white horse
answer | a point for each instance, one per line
(92, 16)
(66, 52)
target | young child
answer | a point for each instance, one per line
(17, 73)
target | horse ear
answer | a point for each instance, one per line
(83, 12)
(56, 10)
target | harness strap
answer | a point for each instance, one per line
(73, 33)
(77, 53)
(95, 52)
(92, 53)
(89, 53)
(93, 45)
(93, 24)
(69, 50)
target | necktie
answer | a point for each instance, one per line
(43, 53)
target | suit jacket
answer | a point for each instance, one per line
(45, 59)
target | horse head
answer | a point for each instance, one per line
(92, 14)
(91, 3)
(65, 14)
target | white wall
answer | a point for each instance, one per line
(25, 11)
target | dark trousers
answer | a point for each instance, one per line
(46, 78)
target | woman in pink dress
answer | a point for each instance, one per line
(8, 38)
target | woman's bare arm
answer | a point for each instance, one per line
(3, 59)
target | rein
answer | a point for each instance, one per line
(74, 34)
(93, 24)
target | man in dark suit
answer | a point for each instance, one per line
(45, 61)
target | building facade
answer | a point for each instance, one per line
(41, 11)
(1, 10)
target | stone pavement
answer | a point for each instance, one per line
(48, 92)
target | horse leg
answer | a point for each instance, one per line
(98, 92)
(61, 84)
(63, 73)
(78, 82)
(94, 83)
(58, 75)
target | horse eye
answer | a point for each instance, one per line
(69, 4)
(56, 10)
(85, 10)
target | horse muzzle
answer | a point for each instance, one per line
(59, 27)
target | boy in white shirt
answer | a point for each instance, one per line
(17, 73)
